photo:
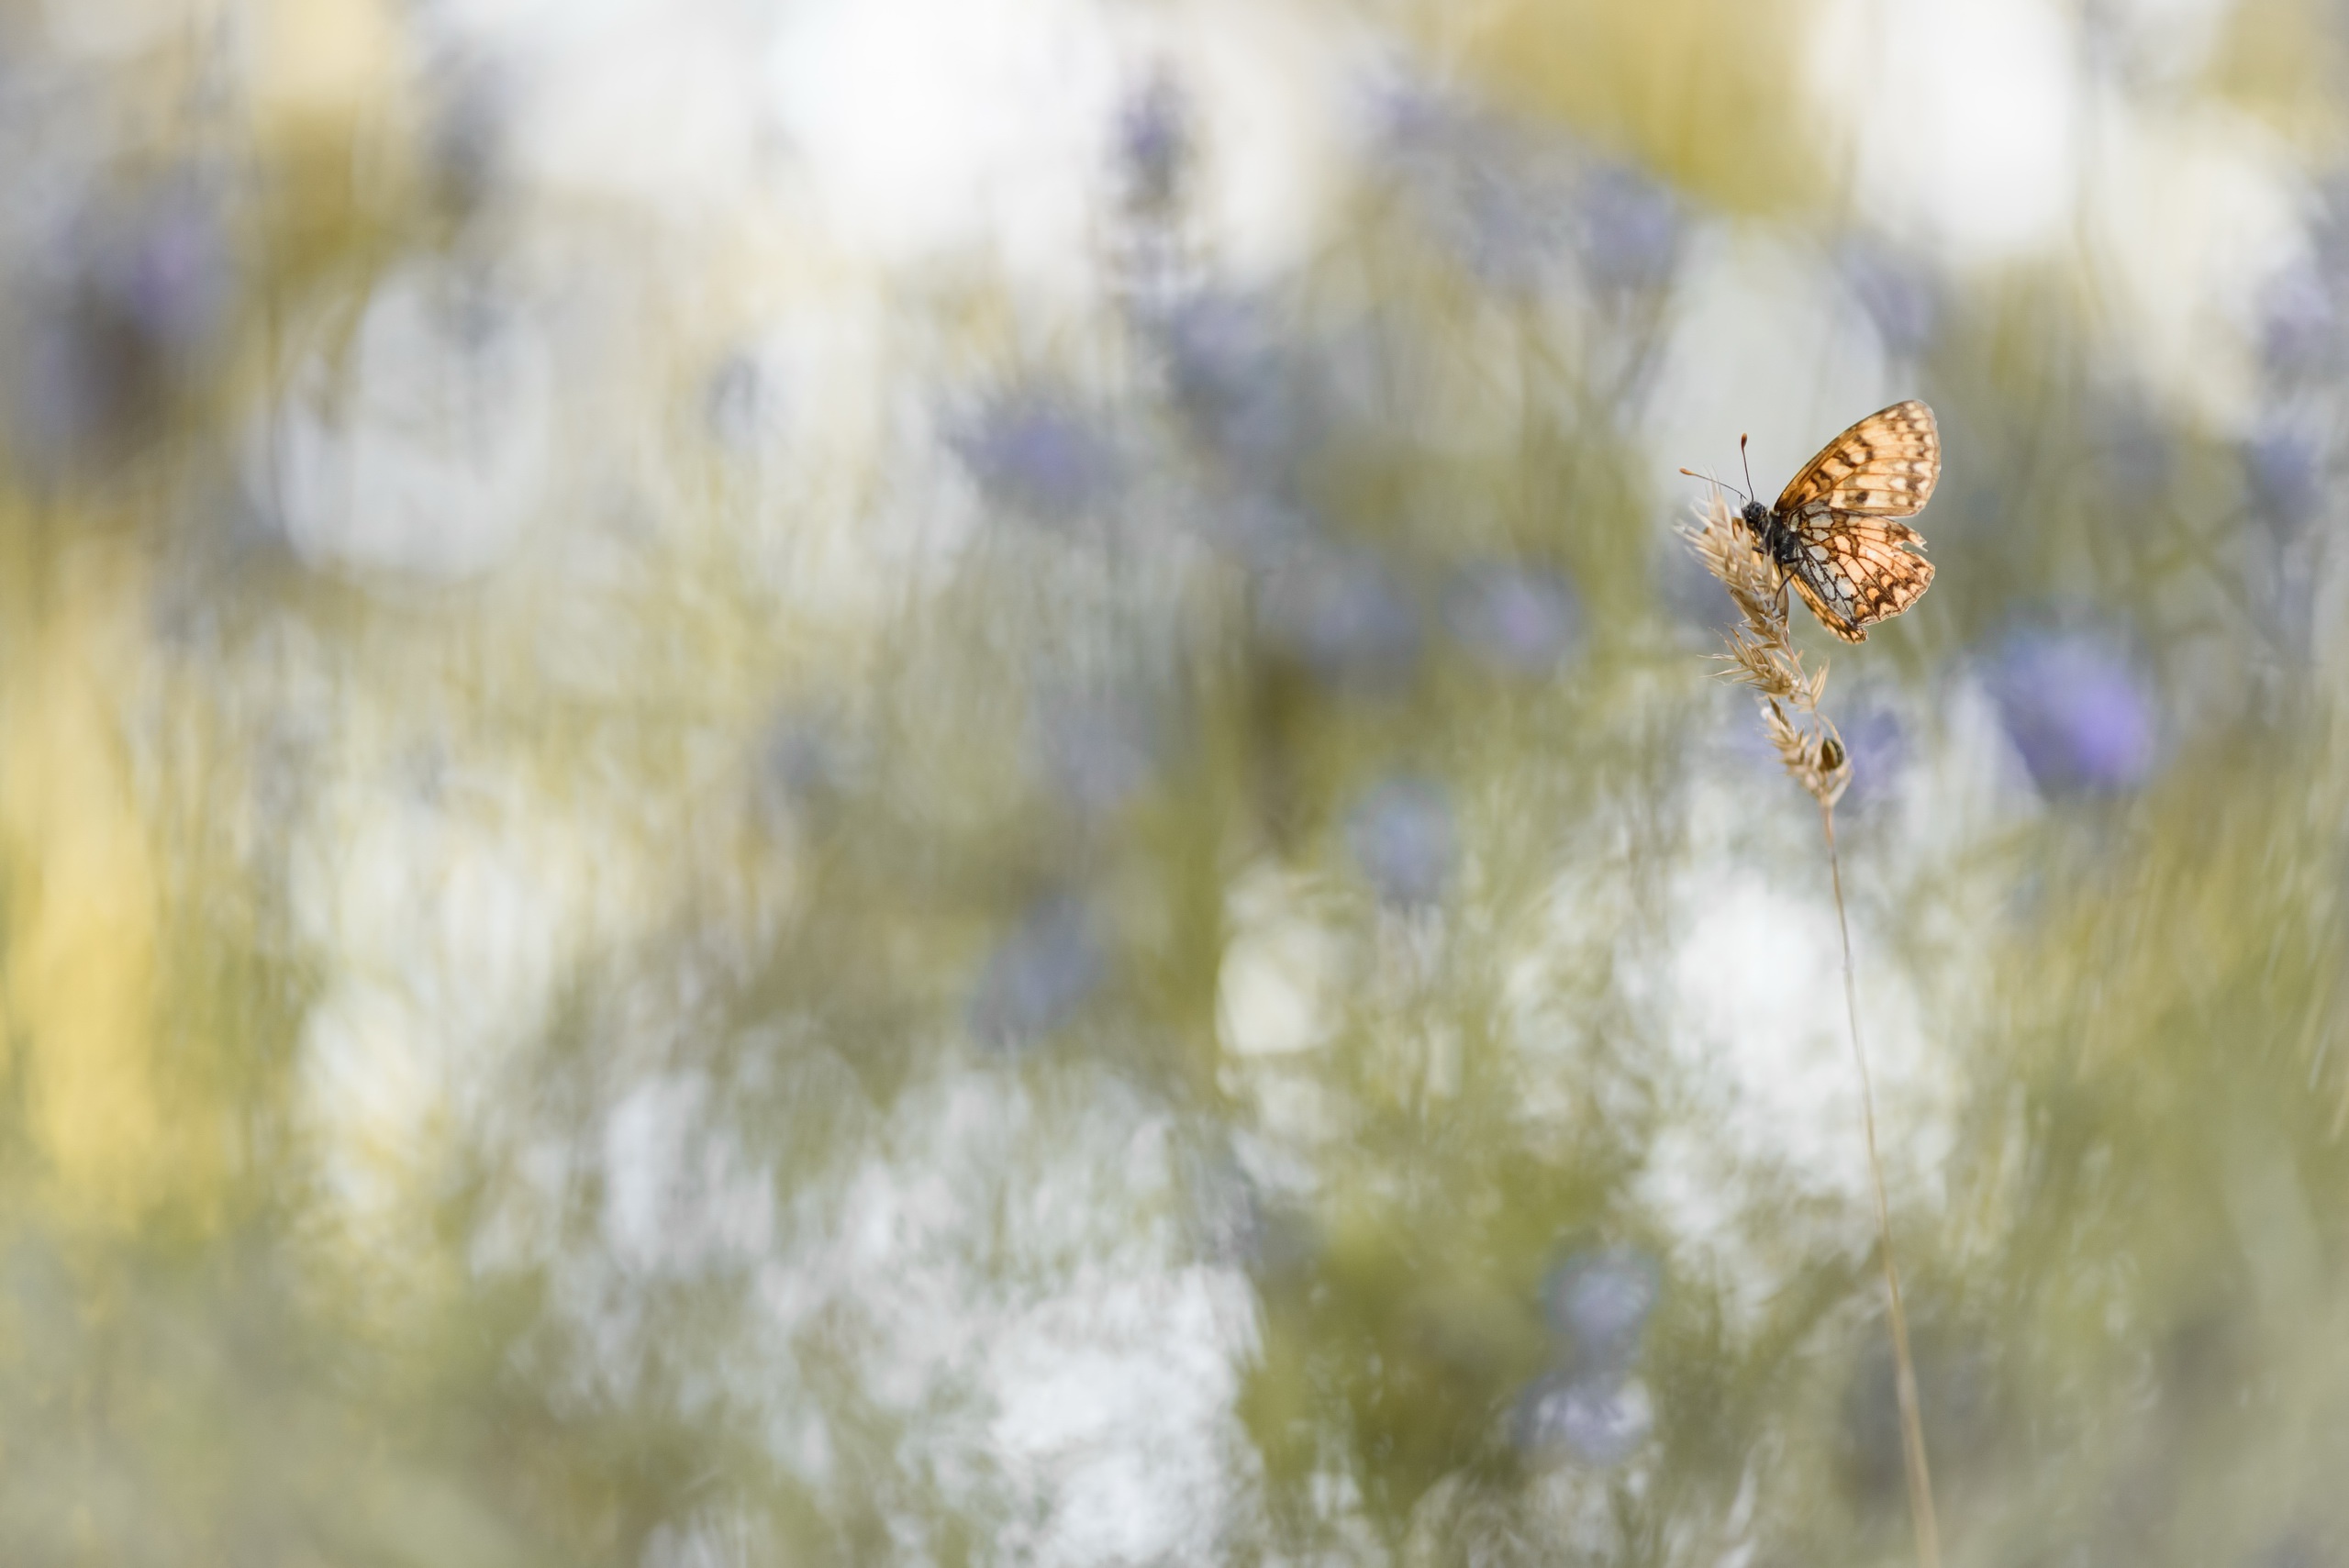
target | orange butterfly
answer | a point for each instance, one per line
(1832, 531)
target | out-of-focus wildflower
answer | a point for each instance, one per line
(123, 307)
(1038, 976)
(2299, 322)
(1485, 188)
(739, 402)
(1402, 836)
(1956, 1387)
(1509, 229)
(465, 134)
(1259, 529)
(1519, 620)
(1035, 453)
(1590, 1407)
(1600, 1301)
(1344, 616)
(806, 757)
(1155, 143)
(2134, 453)
(1232, 383)
(1877, 744)
(1096, 750)
(1899, 296)
(2285, 470)
(2079, 711)
(1630, 231)
(1596, 1422)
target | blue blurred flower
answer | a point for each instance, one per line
(171, 272)
(1402, 836)
(1520, 620)
(2286, 472)
(1600, 1301)
(2135, 452)
(132, 298)
(739, 403)
(1598, 1421)
(1033, 452)
(1096, 750)
(1899, 298)
(1486, 188)
(1154, 141)
(1344, 614)
(1877, 744)
(1234, 383)
(1258, 529)
(806, 757)
(465, 137)
(2299, 322)
(1956, 1386)
(1630, 230)
(2078, 708)
(1038, 976)
(1506, 225)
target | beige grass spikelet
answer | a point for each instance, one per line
(1762, 652)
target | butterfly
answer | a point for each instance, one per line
(1833, 531)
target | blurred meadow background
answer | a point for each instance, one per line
(932, 781)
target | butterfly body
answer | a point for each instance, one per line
(1775, 535)
(1833, 532)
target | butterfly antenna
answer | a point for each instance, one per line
(1741, 458)
(1718, 483)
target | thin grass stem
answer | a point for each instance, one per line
(1761, 656)
(1912, 1428)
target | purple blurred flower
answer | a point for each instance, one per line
(806, 757)
(1154, 142)
(739, 403)
(133, 297)
(1596, 1422)
(1034, 454)
(1258, 529)
(1507, 224)
(2135, 451)
(1599, 1302)
(466, 134)
(1899, 298)
(1956, 1384)
(1096, 750)
(2077, 709)
(1520, 620)
(1037, 978)
(2286, 472)
(1877, 744)
(1487, 191)
(2299, 321)
(1344, 614)
(1630, 228)
(1234, 383)
(1401, 835)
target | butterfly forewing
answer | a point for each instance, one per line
(1884, 466)
(1849, 559)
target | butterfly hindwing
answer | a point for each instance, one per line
(1849, 559)
(1852, 571)
(1884, 466)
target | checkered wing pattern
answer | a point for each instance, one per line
(1852, 563)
